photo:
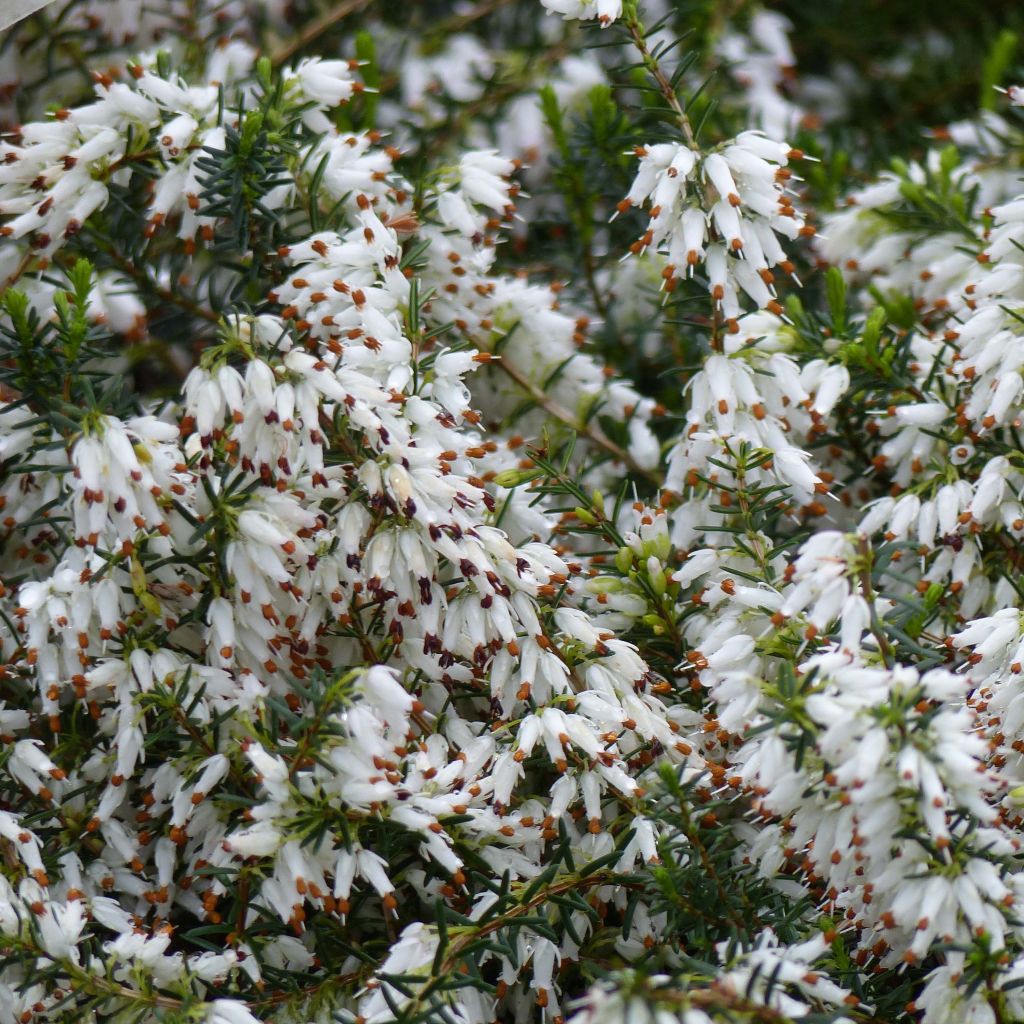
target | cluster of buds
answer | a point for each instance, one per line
(724, 210)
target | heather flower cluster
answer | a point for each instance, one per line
(504, 518)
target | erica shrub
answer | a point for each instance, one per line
(508, 517)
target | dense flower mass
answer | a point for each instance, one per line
(499, 522)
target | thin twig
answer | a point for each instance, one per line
(18, 271)
(141, 277)
(442, 133)
(636, 32)
(450, 962)
(460, 22)
(315, 29)
(884, 647)
(588, 430)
